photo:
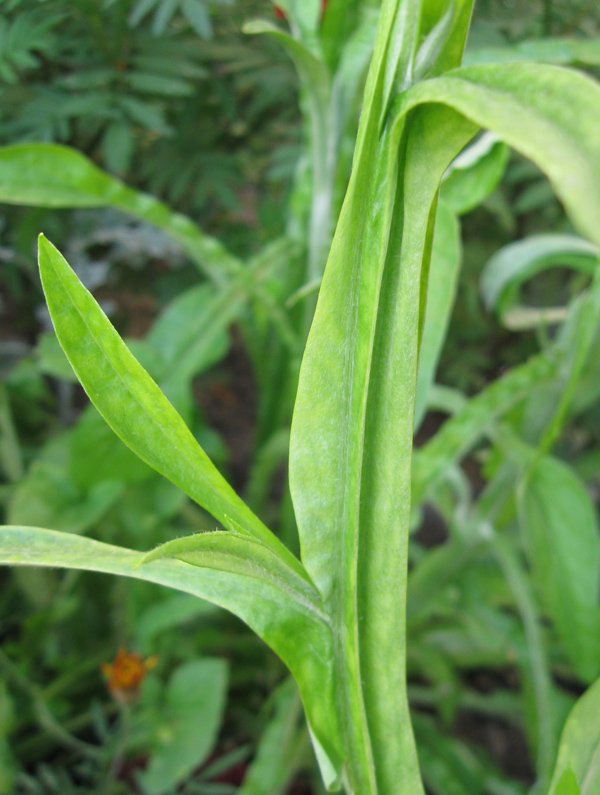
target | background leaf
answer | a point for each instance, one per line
(562, 538)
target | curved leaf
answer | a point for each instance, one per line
(232, 552)
(475, 174)
(509, 268)
(547, 113)
(293, 629)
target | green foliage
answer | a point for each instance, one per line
(513, 589)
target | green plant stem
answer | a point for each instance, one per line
(537, 662)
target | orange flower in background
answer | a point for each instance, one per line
(126, 673)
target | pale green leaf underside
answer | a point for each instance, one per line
(549, 114)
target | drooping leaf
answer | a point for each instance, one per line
(50, 175)
(509, 268)
(547, 113)
(296, 631)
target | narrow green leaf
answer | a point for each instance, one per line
(295, 631)
(560, 527)
(433, 14)
(339, 22)
(579, 750)
(552, 50)
(239, 554)
(133, 405)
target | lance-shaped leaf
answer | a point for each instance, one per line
(132, 403)
(286, 617)
(50, 175)
(562, 538)
(579, 750)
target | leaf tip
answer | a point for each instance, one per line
(147, 557)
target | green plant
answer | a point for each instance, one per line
(337, 619)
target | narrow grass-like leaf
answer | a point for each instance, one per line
(293, 629)
(569, 52)
(132, 403)
(579, 749)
